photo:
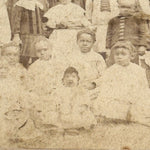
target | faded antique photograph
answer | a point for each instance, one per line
(75, 74)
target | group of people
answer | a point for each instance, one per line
(66, 67)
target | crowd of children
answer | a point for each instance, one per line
(66, 67)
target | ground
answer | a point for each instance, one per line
(110, 136)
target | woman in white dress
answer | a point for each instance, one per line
(66, 19)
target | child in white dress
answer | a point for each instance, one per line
(11, 53)
(73, 103)
(124, 93)
(40, 74)
(90, 64)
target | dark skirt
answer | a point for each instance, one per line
(28, 45)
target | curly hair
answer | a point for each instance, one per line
(86, 31)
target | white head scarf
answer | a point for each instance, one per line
(30, 4)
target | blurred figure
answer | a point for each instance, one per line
(81, 3)
(11, 9)
(99, 12)
(53, 3)
(5, 31)
(124, 88)
(28, 27)
(127, 26)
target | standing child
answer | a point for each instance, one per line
(124, 93)
(15, 105)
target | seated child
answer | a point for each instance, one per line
(69, 104)
(73, 103)
(15, 107)
(90, 63)
(124, 92)
(40, 74)
(10, 52)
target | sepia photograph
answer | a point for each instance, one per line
(75, 74)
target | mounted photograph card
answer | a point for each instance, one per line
(75, 74)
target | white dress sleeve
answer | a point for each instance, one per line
(54, 16)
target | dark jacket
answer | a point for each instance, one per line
(134, 31)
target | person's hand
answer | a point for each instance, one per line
(17, 39)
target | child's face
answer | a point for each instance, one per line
(71, 80)
(42, 50)
(11, 54)
(42, 54)
(122, 56)
(85, 43)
